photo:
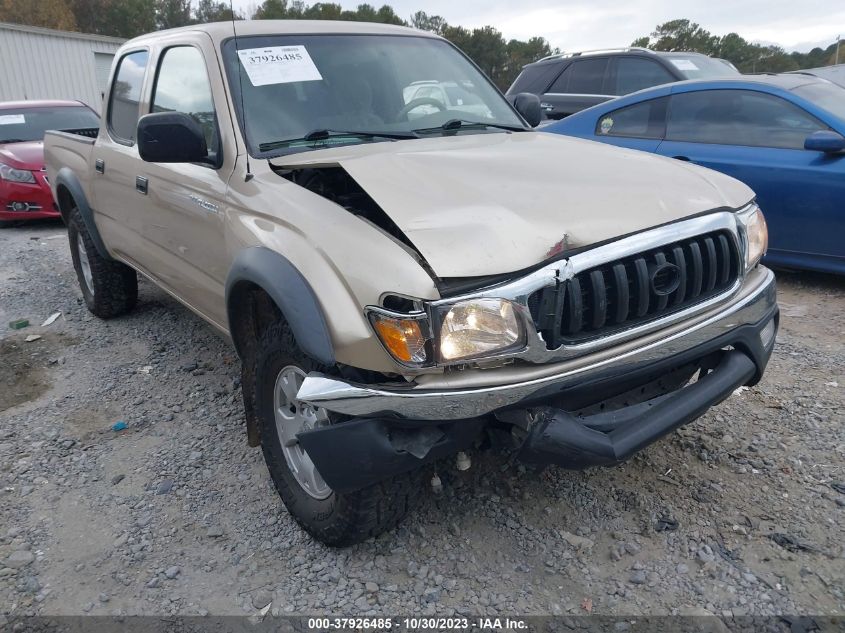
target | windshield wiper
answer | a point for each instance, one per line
(322, 135)
(12, 140)
(453, 125)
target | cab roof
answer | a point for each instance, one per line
(219, 31)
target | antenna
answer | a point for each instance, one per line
(249, 175)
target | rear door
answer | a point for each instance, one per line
(582, 84)
(185, 212)
(116, 203)
(758, 138)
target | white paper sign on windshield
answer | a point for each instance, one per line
(683, 64)
(12, 119)
(278, 65)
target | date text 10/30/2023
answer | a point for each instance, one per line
(416, 624)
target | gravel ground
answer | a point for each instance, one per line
(740, 513)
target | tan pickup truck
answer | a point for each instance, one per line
(408, 276)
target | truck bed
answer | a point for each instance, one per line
(70, 149)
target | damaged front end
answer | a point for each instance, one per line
(598, 369)
(581, 358)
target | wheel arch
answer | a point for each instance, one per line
(70, 194)
(263, 286)
(259, 269)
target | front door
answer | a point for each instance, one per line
(184, 223)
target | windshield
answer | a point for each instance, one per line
(29, 124)
(399, 86)
(825, 95)
(702, 67)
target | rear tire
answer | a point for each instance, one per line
(336, 519)
(109, 288)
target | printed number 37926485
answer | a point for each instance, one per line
(287, 57)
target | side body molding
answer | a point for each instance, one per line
(66, 179)
(292, 294)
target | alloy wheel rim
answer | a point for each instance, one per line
(85, 265)
(293, 417)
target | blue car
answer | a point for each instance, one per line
(782, 135)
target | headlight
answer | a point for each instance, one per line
(756, 235)
(478, 327)
(404, 336)
(16, 175)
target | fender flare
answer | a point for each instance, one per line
(67, 179)
(290, 291)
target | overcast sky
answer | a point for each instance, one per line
(583, 24)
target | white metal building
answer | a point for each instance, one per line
(38, 63)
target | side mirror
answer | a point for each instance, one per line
(826, 141)
(171, 137)
(528, 105)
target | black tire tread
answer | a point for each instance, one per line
(354, 517)
(115, 283)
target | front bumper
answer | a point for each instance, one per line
(459, 395)
(402, 430)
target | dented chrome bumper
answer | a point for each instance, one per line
(742, 321)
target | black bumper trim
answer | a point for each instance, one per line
(575, 442)
(364, 451)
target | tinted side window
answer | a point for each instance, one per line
(633, 73)
(739, 117)
(126, 95)
(587, 76)
(182, 85)
(561, 84)
(641, 120)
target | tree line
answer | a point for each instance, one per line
(684, 35)
(500, 58)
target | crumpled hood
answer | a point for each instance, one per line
(28, 155)
(489, 204)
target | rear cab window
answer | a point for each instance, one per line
(125, 97)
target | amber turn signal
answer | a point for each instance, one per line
(403, 338)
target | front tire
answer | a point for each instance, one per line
(109, 288)
(336, 519)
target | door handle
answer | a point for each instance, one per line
(100, 166)
(141, 184)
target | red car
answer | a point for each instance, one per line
(24, 191)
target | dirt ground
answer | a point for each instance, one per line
(739, 513)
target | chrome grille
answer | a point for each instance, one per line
(636, 289)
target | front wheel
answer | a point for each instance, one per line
(336, 519)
